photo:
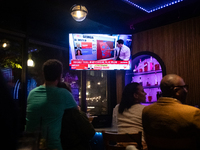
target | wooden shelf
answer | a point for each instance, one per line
(144, 73)
(151, 87)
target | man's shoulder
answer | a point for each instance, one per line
(39, 88)
(178, 107)
(189, 108)
(149, 106)
(126, 47)
(63, 91)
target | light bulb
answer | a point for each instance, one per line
(4, 45)
(30, 63)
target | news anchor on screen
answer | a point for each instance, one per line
(121, 52)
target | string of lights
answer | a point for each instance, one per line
(153, 9)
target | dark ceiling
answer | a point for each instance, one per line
(50, 20)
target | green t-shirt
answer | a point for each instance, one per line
(45, 108)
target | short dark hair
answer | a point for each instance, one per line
(52, 69)
(120, 41)
(128, 98)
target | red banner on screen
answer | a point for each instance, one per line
(86, 45)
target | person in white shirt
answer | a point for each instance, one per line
(129, 117)
(122, 52)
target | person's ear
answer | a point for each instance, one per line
(175, 91)
(135, 95)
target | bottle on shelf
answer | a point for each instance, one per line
(135, 70)
(151, 64)
(140, 80)
(159, 94)
(157, 66)
(132, 80)
(140, 66)
(145, 66)
(156, 79)
(148, 83)
(149, 96)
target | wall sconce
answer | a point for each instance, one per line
(30, 62)
(4, 44)
(78, 12)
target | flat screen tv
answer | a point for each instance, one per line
(97, 51)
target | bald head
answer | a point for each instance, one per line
(169, 81)
(169, 87)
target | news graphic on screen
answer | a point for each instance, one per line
(99, 52)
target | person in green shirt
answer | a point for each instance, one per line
(46, 105)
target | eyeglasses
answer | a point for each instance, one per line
(183, 86)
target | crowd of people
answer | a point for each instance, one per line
(53, 115)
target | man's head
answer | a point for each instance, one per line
(52, 70)
(120, 43)
(173, 85)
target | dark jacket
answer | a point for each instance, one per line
(76, 130)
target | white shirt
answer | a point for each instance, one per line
(130, 121)
(124, 54)
(114, 117)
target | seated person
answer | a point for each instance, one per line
(130, 109)
(76, 130)
(170, 117)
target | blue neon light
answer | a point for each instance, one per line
(154, 9)
(98, 133)
(15, 90)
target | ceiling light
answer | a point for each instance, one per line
(79, 12)
(4, 45)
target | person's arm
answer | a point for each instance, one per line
(68, 99)
(196, 121)
(114, 117)
(127, 54)
(110, 49)
(86, 128)
(81, 125)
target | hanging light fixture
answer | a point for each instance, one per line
(79, 12)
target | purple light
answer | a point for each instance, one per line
(154, 9)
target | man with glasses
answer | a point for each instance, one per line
(170, 117)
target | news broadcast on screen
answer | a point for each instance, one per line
(98, 52)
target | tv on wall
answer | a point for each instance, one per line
(97, 51)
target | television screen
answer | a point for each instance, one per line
(99, 51)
